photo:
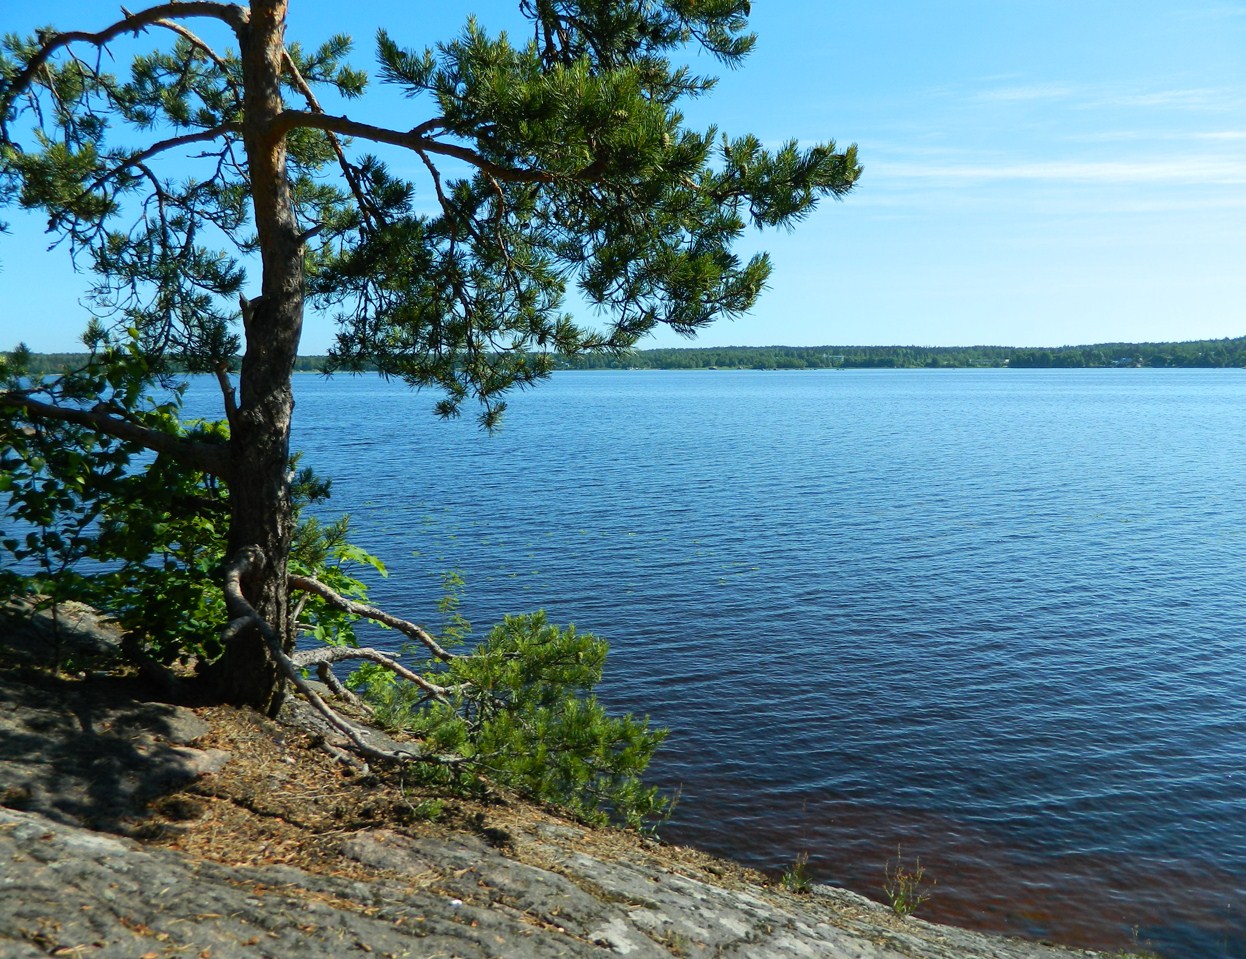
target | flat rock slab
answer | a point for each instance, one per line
(68, 891)
(87, 754)
(71, 633)
(80, 760)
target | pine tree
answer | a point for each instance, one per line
(209, 189)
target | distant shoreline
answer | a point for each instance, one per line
(1207, 354)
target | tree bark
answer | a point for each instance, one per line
(261, 512)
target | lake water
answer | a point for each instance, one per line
(992, 617)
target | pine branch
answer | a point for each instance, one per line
(416, 140)
(348, 169)
(234, 16)
(228, 396)
(206, 457)
(161, 146)
(203, 46)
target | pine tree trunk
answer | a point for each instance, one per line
(260, 505)
(259, 496)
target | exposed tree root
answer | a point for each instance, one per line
(243, 615)
(325, 672)
(341, 654)
(310, 585)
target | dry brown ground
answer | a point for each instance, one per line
(283, 799)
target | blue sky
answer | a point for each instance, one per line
(1036, 173)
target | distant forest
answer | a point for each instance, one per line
(1195, 353)
(1227, 352)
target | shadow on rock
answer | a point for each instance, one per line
(88, 754)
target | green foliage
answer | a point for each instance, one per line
(526, 714)
(79, 500)
(322, 551)
(907, 887)
(580, 172)
(1195, 353)
(160, 542)
(797, 877)
(455, 630)
(140, 536)
(523, 713)
(427, 810)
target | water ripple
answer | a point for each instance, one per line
(993, 616)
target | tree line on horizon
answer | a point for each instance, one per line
(1194, 353)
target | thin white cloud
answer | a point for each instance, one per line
(1197, 98)
(1017, 91)
(1027, 93)
(1176, 170)
(1158, 136)
(1222, 12)
(1219, 135)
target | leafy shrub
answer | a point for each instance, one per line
(138, 535)
(102, 520)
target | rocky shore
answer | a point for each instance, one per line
(141, 830)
